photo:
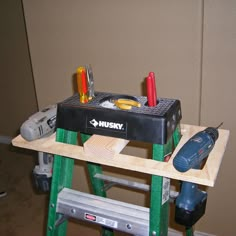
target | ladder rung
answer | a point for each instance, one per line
(132, 184)
(124, 182)
(114, 214)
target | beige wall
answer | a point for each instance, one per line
(218, 98)
(17, 93)
(124, 40)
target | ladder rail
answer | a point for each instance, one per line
(61, 177)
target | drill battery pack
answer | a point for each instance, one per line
(101, 116)
(42, 182)
(189, 218)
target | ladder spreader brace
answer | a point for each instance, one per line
(110, 214)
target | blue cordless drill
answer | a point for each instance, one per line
(191, 202)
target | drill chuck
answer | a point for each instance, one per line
(213, 132)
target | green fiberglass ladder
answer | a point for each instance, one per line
(111, 214)
(158, 125)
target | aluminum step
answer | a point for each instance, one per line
(113, 214)
(123, 182)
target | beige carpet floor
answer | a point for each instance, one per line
(22, 211)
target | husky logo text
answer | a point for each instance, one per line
(106, 124)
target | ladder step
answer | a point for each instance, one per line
(113, 214)
(132, 184)
(123, 182)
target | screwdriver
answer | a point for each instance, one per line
(152, 75)
(82, 84)
(151, 90)
(150, 96)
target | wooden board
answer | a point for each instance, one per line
(104, 146)
(206, 176)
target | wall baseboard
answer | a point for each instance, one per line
(172, 232)
(5, 139)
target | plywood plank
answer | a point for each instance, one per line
(206, 176)
(104, 146)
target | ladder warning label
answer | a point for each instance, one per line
(100, 220)
(89, 217)
(165, 190)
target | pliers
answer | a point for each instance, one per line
(126, 104)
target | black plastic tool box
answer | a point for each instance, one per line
(101, 116)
